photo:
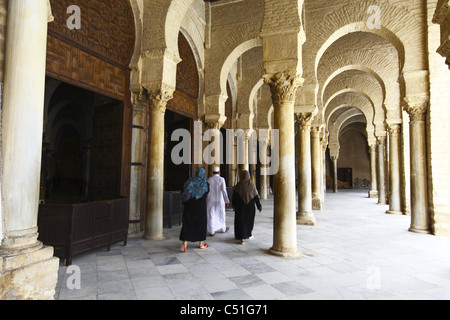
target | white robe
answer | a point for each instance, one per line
(217, 198)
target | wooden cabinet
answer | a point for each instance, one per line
(73, 229)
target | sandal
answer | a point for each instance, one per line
(183, 248)
(204, 246)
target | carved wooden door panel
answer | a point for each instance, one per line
(106, 152)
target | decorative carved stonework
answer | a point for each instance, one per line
(416, 107)
(283, 86)
(381, 140)
(394, 129)
(304, 120)
(315, 132)
(158, 100)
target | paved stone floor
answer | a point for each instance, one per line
(355, 251)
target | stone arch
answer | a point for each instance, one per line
(361, 27)
(337, 125)
(360, 78)
(357, 101)
(396, 25)
(383, 66)
(186, 95)
(362, 98)
(249, 78)
(231, 59)
(254, 92)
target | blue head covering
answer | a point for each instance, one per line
(196, 186)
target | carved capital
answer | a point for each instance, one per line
(394, 129)
(381, 140)
(158, 95)
(304, 120)
(416, 107)
(214, 125)
(215, 121)
(283, 86)
(315, 132)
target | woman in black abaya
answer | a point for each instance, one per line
(245, 197)
(194, 195)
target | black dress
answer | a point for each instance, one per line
(194, 220)
(244, 218)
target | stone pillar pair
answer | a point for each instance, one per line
(316, 168)
(373, 193)
(155, 99)
(264, 165)
(416, 107)
(28, 270)
(381, 171)
(305, 215)
(394, 169)
(334, 159)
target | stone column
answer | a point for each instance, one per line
(283, 88)
(263, 181)
(28, 270)
(245, 165)
(157, 101)
(323, 168)
(373, 193)
(335, 174)
(305, 216)
(137, 187)
(381, 171)
(416, 106)
(394, 170)
(214, 126)
(316, 162)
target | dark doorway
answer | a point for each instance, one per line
(175, 174)
(345, 177)
(82, 145)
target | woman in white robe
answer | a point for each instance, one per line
(216, 202)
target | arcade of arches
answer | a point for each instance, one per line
(357, 91)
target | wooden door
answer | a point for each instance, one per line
(106, 152)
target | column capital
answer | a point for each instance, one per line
(157, 95)
(283, 86)
(394, 129)
(381, 140)
(304, 120)
(416, 107)
(315, 132)
(215, 121)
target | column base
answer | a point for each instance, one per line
(29, 276)
(316, 204)
(293, 254)
(421, 231)
(397, 213)
(373, 194)
(306, 219)
(155, 238)
(382, 202)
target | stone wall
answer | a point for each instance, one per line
(438, 130)
(3, 13)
